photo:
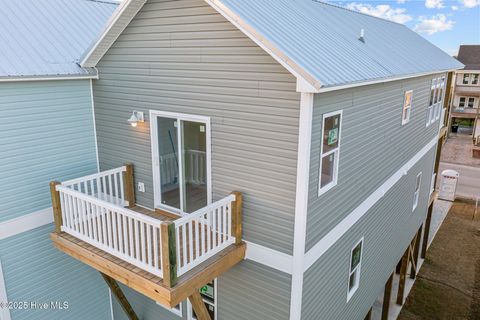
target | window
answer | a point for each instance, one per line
(466, 78)
(438, 108)
(461, 103)
(471, 102)
(431, 103)
(181, 161)
(474, 78)
(416, 195)
(355, 266)
(407, 107)
(175, 310)
(208, 293)
(329, 151)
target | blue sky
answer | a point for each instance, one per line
(446, 23)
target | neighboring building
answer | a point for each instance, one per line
(323, 120)
(465, 99)
(47, 132)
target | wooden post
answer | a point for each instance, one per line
(369, 315)
(403, 277)
(398, 267)
(129, 187)
(199, 306)
(386, 298)
(237, 217)
(416, 251)
(57, 208)
(117, 292)
(169, 254)
(426, 233)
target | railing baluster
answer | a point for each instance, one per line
(197, 238)
(184, 244)
(95, 222)
(149, 244)
(130, 236)
(125, 234)
(109, 227)
(120, 232)
(115, 184)
(190, 240)
(122, 192)
(104, 188)
(89, 218)
(155, 248)
(110, 188)
(104, 226)
(209, 230)
(115, 230)
(142, 242)
(138, 256)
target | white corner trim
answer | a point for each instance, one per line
(340, 229)
(301, 203)
(269, 257)
(25, 223)
(267, 46)
(94, 125)
(111, 303)
(4, 312)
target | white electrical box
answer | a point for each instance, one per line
(448, 185)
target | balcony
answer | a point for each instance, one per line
(165, 257)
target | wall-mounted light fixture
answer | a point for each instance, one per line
(137, 116)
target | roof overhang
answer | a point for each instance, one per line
(49, 77)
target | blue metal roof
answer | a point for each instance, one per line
(323, 40)
(46, 38)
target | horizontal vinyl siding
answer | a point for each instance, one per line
(35, 271)
(182, 56)
(253, 291)
(145, 308)
(387, 228)
(374, 145)
(46, 134)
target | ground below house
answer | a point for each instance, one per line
(448, 285)
(458, 150)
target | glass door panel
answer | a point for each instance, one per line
(169, 162)
(194, 147)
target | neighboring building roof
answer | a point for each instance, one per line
(469, 55)
(47, 38)
(318, 42)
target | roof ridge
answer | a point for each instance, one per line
(354, 11)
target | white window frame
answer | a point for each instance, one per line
(405, 109)
(431, 102)
(416, 194)
(467, 101)
(157, 195)
(357, 270)
(215, 303)
(325, 188)
(472, 75)
(178, 312)
(468, 78)
(460, 101)
(441, 86)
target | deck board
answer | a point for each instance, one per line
(144, 282)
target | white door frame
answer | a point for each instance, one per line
(157, 195)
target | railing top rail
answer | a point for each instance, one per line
(93, 176)
(110, 206)
(204, 210)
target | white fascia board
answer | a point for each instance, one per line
(25, 223)
(340, 229)
(49, 78)
(301, 203)
(4, 311)
(114, 19)
(383, 80)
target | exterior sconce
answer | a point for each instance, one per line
(137, 116)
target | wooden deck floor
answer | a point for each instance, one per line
(143, 281)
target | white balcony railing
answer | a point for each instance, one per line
(92, 210)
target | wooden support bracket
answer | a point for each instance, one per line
(117, 292)
(199, 306)
(57, 209)
(415, 253)
(426, 233)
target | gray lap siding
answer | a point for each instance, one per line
(182, 56)
(374, 145)
(387, 228)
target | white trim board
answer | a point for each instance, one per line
(25, 223)
(50, 78)
(4, 312)
(94, 125)
(269, 257)
(340, 229)
(301, 203)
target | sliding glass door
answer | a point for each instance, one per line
(180, 145)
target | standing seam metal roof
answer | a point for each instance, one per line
(47, 37)
(324, 40)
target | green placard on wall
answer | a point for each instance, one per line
(332, 136)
